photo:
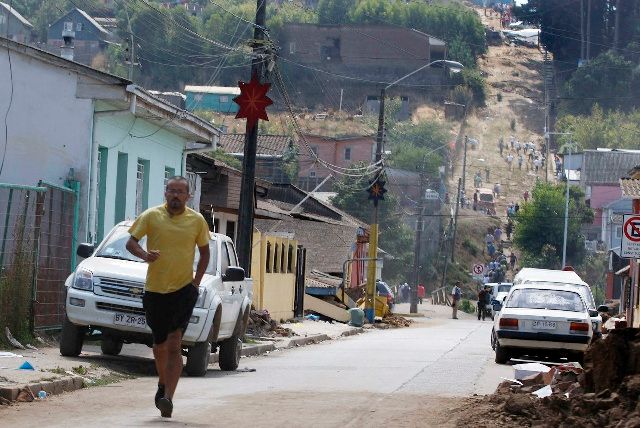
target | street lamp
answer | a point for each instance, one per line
(566, 200)
(455, 67)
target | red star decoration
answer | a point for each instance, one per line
(253, 101)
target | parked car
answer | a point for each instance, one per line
(499, 291)
(383, 289)
(104, 297)
(486, 202)
(567, 277)
(541, 320)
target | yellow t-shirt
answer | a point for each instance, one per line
(176, 238)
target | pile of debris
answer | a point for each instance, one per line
(262, 325)
(393, 321)
(603, 394)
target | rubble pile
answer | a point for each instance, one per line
(396, 320)
(603, 394)
(262, 325)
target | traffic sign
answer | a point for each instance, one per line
(630, 246)
(478, 268)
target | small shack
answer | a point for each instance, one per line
(215, 98)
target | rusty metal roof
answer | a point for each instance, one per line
(630, 188)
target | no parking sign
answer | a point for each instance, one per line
(478, 269)
(630, 246)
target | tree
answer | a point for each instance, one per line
(417, 146)
(394, 236)
(609, 80)
(540, 226)
(334, 11)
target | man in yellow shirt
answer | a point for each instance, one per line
(173, 231)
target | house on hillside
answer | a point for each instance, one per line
(600, 174)
(274, 152)
(340, 151)
(78, 37)
(368, 52)
(113, 137)
(13, 25)
(215, 98)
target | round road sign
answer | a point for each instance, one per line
(632, 229)
(478, 269)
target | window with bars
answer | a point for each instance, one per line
(168, 173)
(142, 185)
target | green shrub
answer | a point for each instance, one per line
(467, 306)
(470, 246)
(499, 97)
(513, 124)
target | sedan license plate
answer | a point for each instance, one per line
(544, 325)
(129, 320)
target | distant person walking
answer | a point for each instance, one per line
(525, 196)
(486, 173)
(512, 260)
(509, 230)
(520, 161)
(510, 161)
(497, 234)
(421, 293)
(501, 145)
(482, 302)
(456, 295)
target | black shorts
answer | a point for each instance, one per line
(169, 312)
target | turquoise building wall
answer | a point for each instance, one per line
(222, 103)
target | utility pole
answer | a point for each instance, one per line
(464, 164)
(369, 307)
(132, 48)
(455, 227)
(247, 189)
(588, 30)
(616, 31)
(446, 255)
(582, 50)
(340, 106)
(413, 308)
(566, 211)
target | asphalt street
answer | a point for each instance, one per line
(392, 376)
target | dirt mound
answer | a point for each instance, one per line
(604, 394)
(262, 325)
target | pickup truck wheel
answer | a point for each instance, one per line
(230, 351)
(71, 338)
(110, 346)
(198, 359)
(502, 355)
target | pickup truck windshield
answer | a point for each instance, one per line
(115, 248)
(553, 300)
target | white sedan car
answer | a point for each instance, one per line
(542, 320)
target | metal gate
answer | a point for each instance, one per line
(58, 230)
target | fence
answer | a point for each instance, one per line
(440, 297)
(56, 258)
(38, 229)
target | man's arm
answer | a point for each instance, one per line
(203, 262)
(133, 246)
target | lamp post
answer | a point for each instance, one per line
(373, 242)
(566, 200)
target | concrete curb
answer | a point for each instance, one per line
(302, 341)
(249, 351)
(53, 387)
(352, 332)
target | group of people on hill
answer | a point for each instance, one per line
(495, 269)
(526, 154)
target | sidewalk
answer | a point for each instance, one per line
(55, 374)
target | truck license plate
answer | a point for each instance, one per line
(544, 325)
(129, 320)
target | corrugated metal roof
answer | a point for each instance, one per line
(607, 167)
(272, 145)
(93, 21)
(630, 188)
(221, 90)
(16, 14)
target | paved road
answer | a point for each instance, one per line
(403, 377)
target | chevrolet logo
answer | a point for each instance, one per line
(137, 291)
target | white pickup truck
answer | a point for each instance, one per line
(104, 299)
